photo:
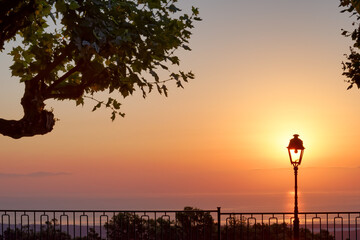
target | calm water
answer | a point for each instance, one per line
(245, 202)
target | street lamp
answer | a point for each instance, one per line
(296, 151)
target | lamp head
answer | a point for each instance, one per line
(296, 145)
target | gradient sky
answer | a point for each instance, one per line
(265, 70)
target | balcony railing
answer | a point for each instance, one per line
(174, 225)
(313, 225)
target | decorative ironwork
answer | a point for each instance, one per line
(279, 226)
(175, 225)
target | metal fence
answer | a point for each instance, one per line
(313, 225)
(175, 225)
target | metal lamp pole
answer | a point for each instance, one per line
(296, 210)
(296, 151)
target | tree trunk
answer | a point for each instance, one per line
(36, 120)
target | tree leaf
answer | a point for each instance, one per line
(178, 83)
(80, 101)
(172, 8)
(154, 74)
(186, 47)
(60, 6)
(164, 88)
(96, 106)
(154, 4)
(74, 5)
(116, 104)
(113, 115)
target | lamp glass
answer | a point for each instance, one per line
(296, 156)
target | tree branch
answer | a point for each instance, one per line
(62, 78)
(36, 120)
(64, 53)
(68, 92)
(28, 128)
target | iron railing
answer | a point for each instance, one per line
(175, 225)
(313, 225)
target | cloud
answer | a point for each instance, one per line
(33, 174)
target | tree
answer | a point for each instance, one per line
(126, 225)
(242, 228)
(47, 231)
(192, 223)
(72, 49)
(351, 68)
(196, 224)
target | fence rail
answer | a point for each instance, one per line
(175, 225)
(313, 225)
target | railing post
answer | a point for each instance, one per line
(219, 222)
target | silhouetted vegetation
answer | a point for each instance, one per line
(98, 45)
(48, 231)
(189, 224)
(351, 68)
(246, 230)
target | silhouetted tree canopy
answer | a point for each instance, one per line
(71, 49)
(192, 223)
(351, 68)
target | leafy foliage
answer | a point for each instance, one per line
(50, 230)
(72, 49)
(351, 68)
(243, 228)
(192, 223)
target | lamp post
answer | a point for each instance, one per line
(296, 151)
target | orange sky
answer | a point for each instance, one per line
(264, 71)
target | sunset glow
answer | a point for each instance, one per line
(263, 72)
